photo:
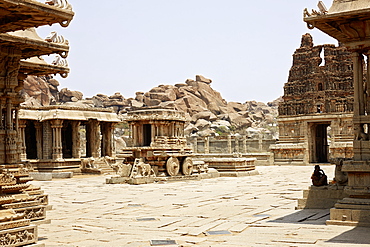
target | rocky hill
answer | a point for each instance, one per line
(207, 112)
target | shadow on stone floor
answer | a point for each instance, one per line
(357, 235)
(305, 216)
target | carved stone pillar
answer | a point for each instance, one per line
(244, 144)
(56, 126)
(357, 83)
(39, 139)
(229, 148)
(134, 134)
(2, 111)
(195, 144)
(152, 132)
(22, 138)
(236, 145)
(260, 142)
(93, 138)
(76, 141)
(367, 90)
(107, 141)
(206, 145)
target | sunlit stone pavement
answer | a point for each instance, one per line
(245, 211)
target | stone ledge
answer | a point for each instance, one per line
(41, 176)
(48, 176)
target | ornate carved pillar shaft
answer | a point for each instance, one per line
(22, 138)
(9, 111)
(195, 145)
(39, 138)
(357, 82)
(94, 138)
(368, 82)
(107, 135)
(244, 144)
(2, 117)
(206, 145)
(76, 141)
(56, 126)
(229, 149)
(152, 132)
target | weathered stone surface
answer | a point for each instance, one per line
(239, 120)
(201, 78)
(139, 96)
(151, 102)
(202, 123)
(204, 115)
(136, 103)
(66, 95)
(43, 89)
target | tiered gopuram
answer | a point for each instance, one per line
(21, 203)
(315, 118)
(348, 21)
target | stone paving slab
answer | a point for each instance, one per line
(256, 210)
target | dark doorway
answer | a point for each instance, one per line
(67, 140)
(320, 152)
(30, 138)
(147, 138)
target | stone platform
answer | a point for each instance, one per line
(321, 197)
(231, 167)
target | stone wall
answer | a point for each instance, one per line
(229, 144)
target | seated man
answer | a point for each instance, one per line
(318, 177)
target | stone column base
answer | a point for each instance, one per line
(350, 212)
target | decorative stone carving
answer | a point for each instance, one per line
(55, 38)
(59, 61)
(63, 4)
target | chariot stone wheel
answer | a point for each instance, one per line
(187, 166)
(172, 166)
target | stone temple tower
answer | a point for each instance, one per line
(315, 117)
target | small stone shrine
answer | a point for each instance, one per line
(20, 203)
(315, 118)
(348, 21)
(158, 148)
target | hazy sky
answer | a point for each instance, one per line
(126, 46)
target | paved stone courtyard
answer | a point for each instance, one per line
(246, 211)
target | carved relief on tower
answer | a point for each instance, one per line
(318, 85)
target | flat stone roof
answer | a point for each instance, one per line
(67, 113)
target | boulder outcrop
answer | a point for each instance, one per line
(207, 112)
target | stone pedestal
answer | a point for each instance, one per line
(355, 208)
